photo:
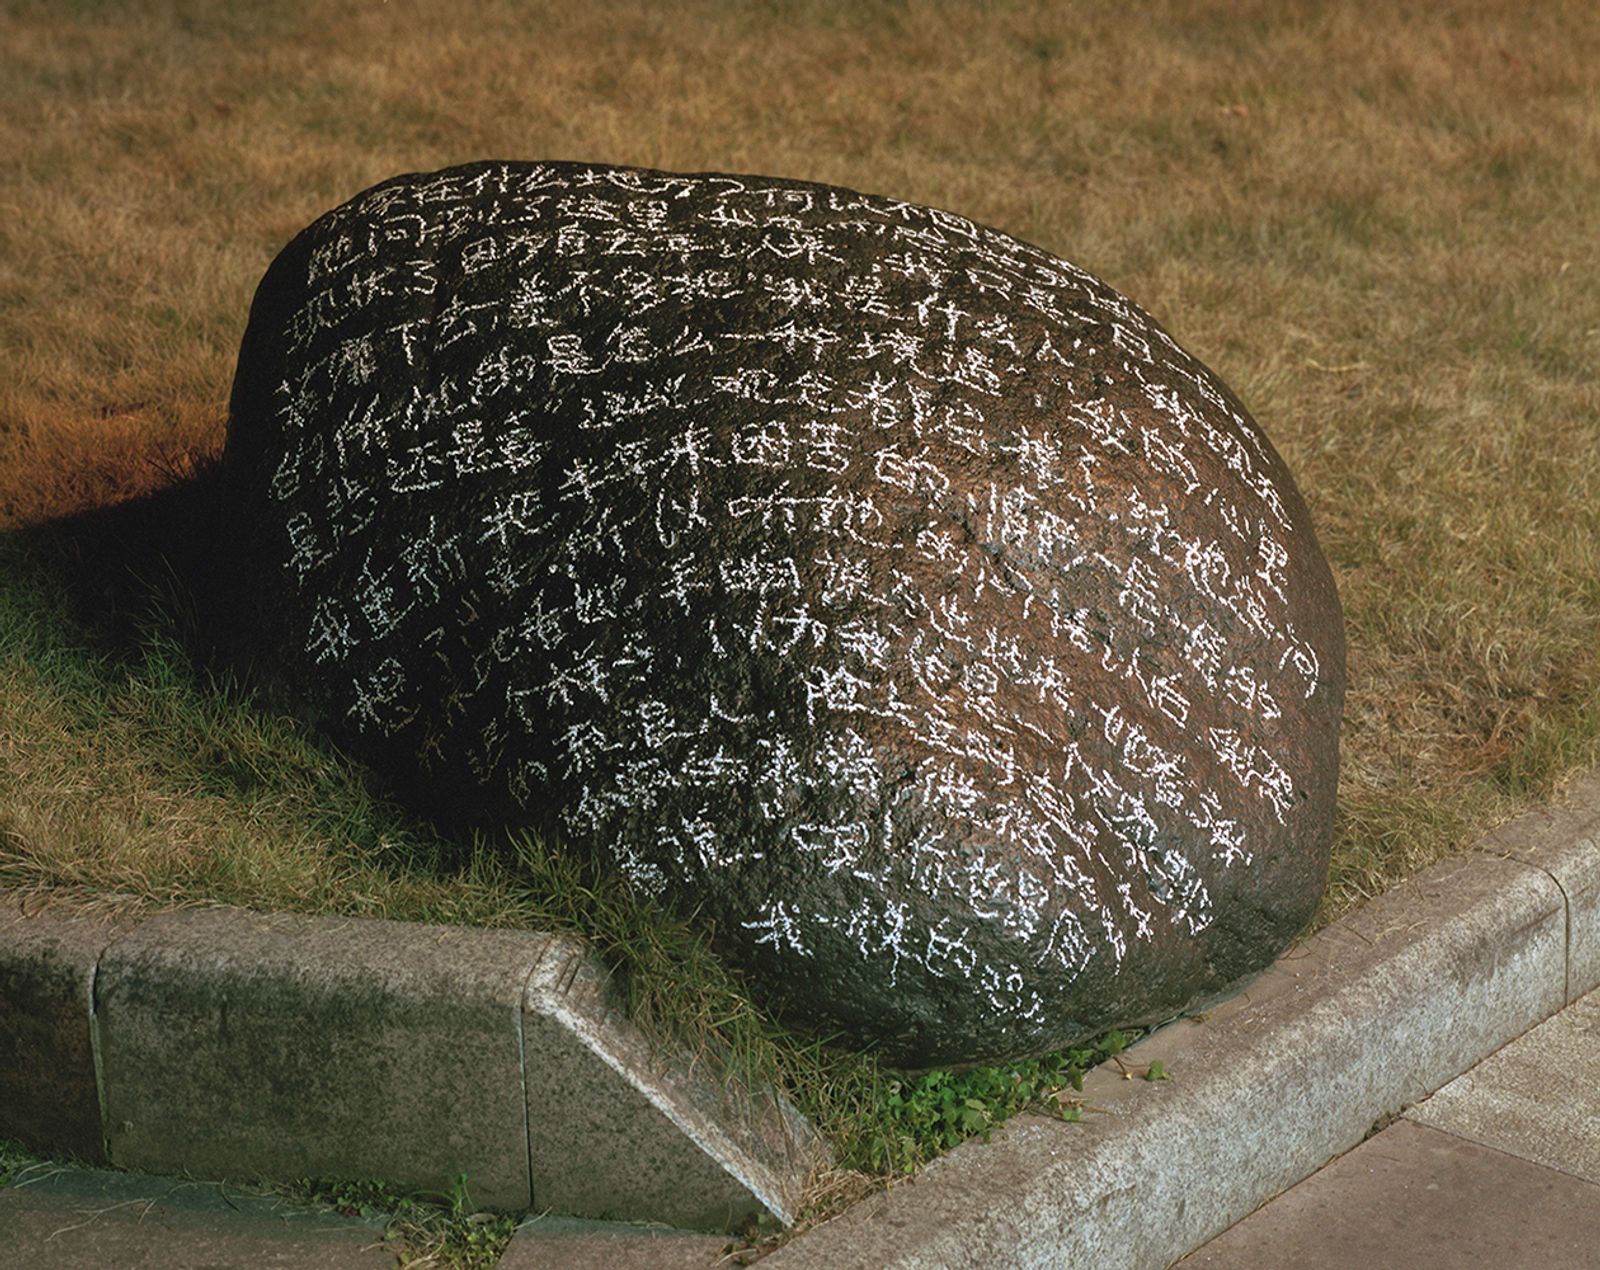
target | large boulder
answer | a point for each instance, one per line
(886, 589)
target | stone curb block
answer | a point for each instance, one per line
(1564, 841)
(1535, 1099)
(1373, 1013)
(598, 1083)
(283, 1046)
(1369, 1016)
(49, 1091)
(224, 1043)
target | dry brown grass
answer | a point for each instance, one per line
(1377, 222)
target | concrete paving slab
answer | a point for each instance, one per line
(670, 1141)
(554, 1243)
(1369, 1016)
(1564, 840)
(246, 1045)
(49, 1098)
(79, 1219)
(1416, 1197)
(1538, 1098)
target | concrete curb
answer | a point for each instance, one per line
(1372, 1014)
(222, 1043)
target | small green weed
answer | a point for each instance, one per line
(429, 1229)
(920, 1116)
(349, 1199)
(13, 1159)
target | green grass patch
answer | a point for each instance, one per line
(426, 1229)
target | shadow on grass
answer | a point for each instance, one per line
(172, 570)
(165, 573)
(150, 564)
(154, 592)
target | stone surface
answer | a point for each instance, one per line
(79, 1219)
(1421, 1199)
(555, 1244)
(1368, 1016)
(888, 589)
(49, 1099)
(239, 1045)
(1564, 841)
(1538, 1098)
(614, 1131)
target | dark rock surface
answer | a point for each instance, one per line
(888, 588)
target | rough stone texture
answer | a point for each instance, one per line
(884, 586)
(80, 1219)
(239, 1045)
(49, 1098)
(1420, 1199)
(1564, 841)
(1365, 1018)
(1538, 1098)
(559, 1244)
(670, 1142)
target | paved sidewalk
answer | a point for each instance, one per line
(1501, 1167)
(562, 1243)
(58, 1218)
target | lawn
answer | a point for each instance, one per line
(1376, 223)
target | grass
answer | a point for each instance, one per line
(427, 1230)
(1376, 223)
